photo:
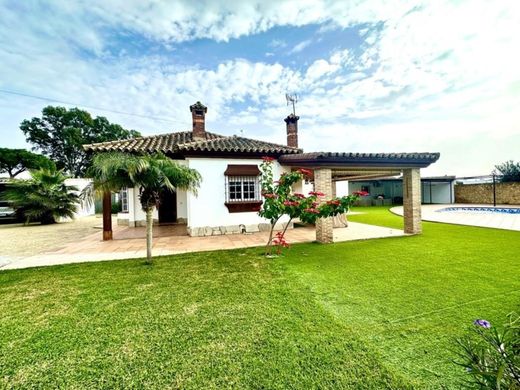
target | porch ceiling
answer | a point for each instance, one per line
(361, 174)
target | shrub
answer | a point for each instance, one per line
(491, 355)
(44, 198)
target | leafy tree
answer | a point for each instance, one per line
(509, 170)
(60, 134)
(280, 200)
(152, 174)
(45, 197)
(16, 161)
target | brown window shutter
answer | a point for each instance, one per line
(242, 170)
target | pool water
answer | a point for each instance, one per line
(501, 210)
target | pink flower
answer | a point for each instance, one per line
(289, 203)
(280, 241)
(301, 196)
(360, 193)
(334, 202)
(268, 159)
(305, 172)
(316, 193)
(270, 196)
(312, 211)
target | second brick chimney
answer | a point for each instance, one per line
(198, 115)
(292, 130)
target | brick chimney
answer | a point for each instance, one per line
(198, 114)
(292, 130)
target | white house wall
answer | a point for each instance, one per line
(207, 212)
(137, 217)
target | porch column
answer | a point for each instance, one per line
(107, 216)
(412, 201)
(323, 183)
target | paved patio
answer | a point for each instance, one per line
(482, 219)
(168, 240)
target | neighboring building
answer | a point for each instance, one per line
(388, 191)
(229, 197)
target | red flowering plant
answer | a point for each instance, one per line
(280, 200)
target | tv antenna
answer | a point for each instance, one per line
(292, 99)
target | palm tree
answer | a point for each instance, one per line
(45, 197)
(152, 174)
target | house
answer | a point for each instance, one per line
(388, 191)
(229, 197)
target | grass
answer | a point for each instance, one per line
(367, 314)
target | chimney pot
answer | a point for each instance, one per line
(198, 115)
(292, 130)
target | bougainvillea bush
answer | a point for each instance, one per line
(280, 200)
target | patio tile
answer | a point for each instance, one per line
(92, 248)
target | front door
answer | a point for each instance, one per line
(168, 207)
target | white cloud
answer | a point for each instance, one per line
(443, 77)
(300, 46)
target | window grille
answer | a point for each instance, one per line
(242, 189)
(124, 200)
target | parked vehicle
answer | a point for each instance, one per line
(7, 212)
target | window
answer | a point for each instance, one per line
(242, 188)
(124, 200)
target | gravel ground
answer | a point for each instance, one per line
(19, 240)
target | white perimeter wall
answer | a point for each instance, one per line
(208, 208)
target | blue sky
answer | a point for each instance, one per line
(372, 76)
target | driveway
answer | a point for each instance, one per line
(18, 241)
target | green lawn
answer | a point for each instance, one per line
(367, 314)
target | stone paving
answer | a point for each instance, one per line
(168, 240)
(471, 218)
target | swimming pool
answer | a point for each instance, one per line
(501, 210)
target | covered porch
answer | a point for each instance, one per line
(331, 167)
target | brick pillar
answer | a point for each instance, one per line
(412, 201)
(333, 190)
(323, 183)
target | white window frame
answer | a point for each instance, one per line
(241, 190)
(124, 200)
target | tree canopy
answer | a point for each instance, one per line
(61, 132)
(16, 161)
(509, 170)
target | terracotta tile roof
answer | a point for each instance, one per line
(352, 159)
(183, 142)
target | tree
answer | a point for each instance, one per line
(60, 134)
(280, 200)
(152, 174)
(45, 197)
(509, 170)
(16, 161)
